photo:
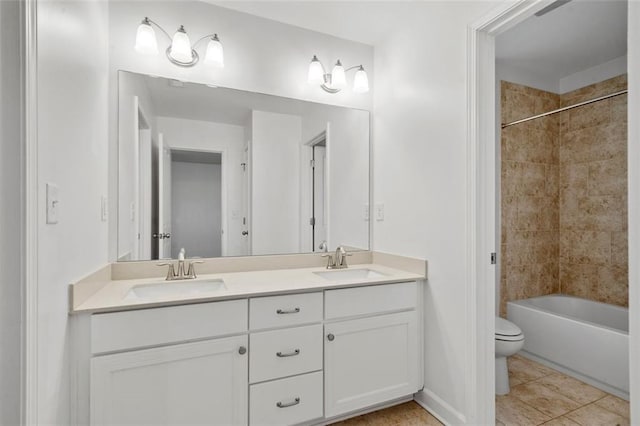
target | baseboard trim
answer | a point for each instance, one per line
(442, 411)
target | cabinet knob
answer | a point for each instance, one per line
(330, 337)
(242, 350)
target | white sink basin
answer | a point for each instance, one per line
(168, 289)
(349, 274)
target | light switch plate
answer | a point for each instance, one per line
(53, 203)
(104, 208)
(379, 212)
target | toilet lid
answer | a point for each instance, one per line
(506, 328)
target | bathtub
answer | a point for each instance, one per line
(584, 339)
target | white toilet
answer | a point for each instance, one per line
(509, 340)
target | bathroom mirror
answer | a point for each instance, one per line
(223, 172)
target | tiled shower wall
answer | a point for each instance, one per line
(563, 195)
(593, 195)
(529, 196)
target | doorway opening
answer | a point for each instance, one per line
(486, 189)
(196, 203)
(318, 220)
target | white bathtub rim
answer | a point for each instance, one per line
(525, 304)
(569, 372)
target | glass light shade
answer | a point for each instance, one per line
(316, 72)
(338, 77)
(361, 81)
(181, 46)
(215, 54)
(146, 43)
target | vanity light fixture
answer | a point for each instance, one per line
(180, 52)
(336, 80)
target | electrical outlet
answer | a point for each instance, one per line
(53, 204)
(379, 212)
(365, 212)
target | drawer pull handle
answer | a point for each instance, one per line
(294, 353)
(290, 311)
(288, 404)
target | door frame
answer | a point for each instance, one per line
(481, 206)
(308, 177)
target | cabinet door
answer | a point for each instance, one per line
(369, 361)
(186, 384)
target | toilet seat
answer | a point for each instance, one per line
(507, 331)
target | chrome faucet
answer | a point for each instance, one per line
(172, 275)
(339, 260)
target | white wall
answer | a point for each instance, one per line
(275, 183)
(196, 212)
(215, 137)
(420, 167)
(11, 212)
(593, 75)
(260, 55)
(72, 151)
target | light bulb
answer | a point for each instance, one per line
(215, 53)
(181, 46)
(338, 78)
(361, 81)
(146, 43)
(316, 72)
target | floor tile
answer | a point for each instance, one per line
(544, 399)
(561, 421)
(407, 414)
(615, 404)
(512, 411)
(522, 370)
(572, 388)
(592, 414)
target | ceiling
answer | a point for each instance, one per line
(362, 21)
(576, 36)
(571, 38)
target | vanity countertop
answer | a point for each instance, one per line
(114, 294)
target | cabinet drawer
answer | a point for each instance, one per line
(152, 327)
(287, 401)
(282, 353)
(351, 302)
(284, 311)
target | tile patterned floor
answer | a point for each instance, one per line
(409, 414)
(539, 396)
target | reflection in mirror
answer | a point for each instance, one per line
(222, 172)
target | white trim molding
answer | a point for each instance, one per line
(29, 409)
(481, 208)
(633, 104)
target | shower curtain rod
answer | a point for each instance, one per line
(555, 111)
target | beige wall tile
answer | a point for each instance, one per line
(608, 177)
(585, 247)
(619, 109)
(611, 285)
(619, 248)
(537, 213)
(577, 280)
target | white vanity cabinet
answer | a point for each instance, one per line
(186, 384)
(290, 359)
(159, 376)
(374, 357)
